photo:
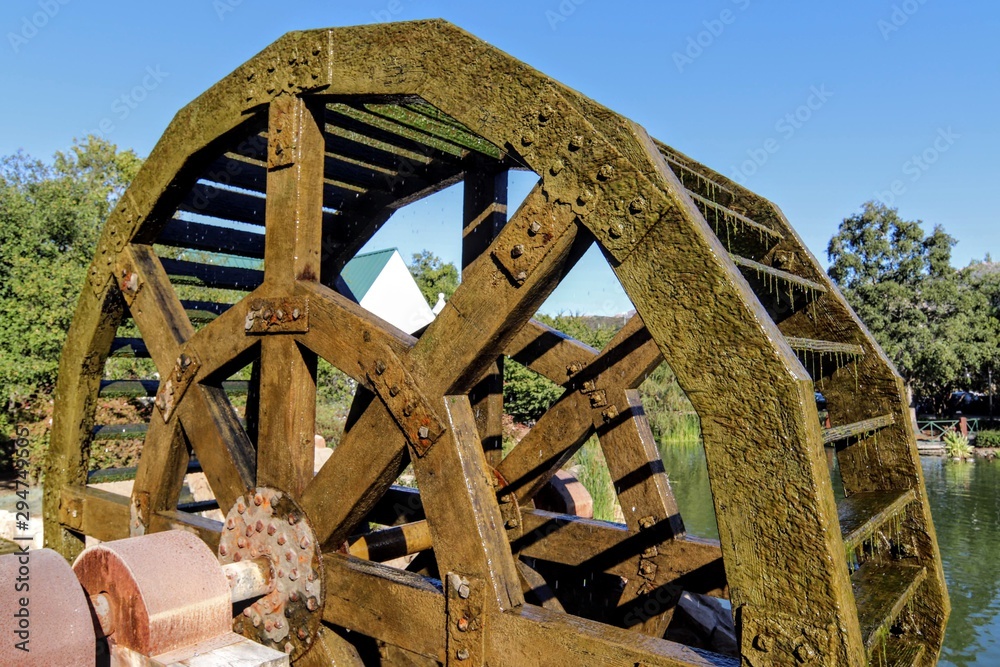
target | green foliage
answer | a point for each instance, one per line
(988, 439)
(526, 394)
(433, 276)
(50, 220)
(957, 445)
(938, 325)
(590, 468)
(334, 394)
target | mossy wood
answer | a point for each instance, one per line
(312, 145)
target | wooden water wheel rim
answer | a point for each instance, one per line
(601, 178)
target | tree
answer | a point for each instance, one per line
(903, 287)
(50, 220)
(433, 276)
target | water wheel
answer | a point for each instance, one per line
(297, 158)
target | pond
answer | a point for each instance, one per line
(965, 503)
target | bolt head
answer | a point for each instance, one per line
(546, 113)
(282, 539)
(242, 543)
(527, 138)
(463, 654)
(606, 172)
(304, 542)
(534, 228)
(463, 624)
(463, 591)
(258, 499)
(423, 432)
(223, 550)
(637, 206)
(302, 634)
(271, 529)
(230, 523)
(256, 621)
(379, 367)
(557, 167)
(312, 604)
(576, 143)
(292, 519)
(288, 647)
(521, 276)
(241, 507)
(259, 526)
(517, 251)
(237, 557)
(512, 523)
(616, 230)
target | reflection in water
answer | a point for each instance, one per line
(965, 502)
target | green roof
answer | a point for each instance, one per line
(361, 272)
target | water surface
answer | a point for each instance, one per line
(965, 503)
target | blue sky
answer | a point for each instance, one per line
(818, 106)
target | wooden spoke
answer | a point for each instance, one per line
(160, 474)
(464, 340)
(484, 215)
(465, 522)
(286, 419)
(624, 363)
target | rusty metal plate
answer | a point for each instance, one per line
(389, 379)
(466, 620)
(277, 315)
(173, 387)
(267, 523)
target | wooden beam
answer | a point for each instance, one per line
(625, 362)
(286, 419)
(484, 215)
(160, 473)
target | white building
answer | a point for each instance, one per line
(380, 282)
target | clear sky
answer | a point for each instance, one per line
(818, 106)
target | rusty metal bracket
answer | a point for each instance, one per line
(466, 620)
(172, 389)
(389, 379)
(277, 316)
(266, 523)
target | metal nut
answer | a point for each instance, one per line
(517, 251)
(463, 654)
(534, 228)
(423, 432)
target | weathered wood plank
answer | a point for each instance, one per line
(160, 473)
(286, 419)
(484, 215)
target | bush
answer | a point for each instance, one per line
(988, 439)
(526, 394)
(957, 445)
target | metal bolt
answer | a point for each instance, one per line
(293, 575)
(393, 390)
(647, 522)
(304, 542)
(258, 500)
(517, 251)
(296, 314)
(256, 304)
(521, 276)
(463, 591)
(292, 519)
(249, 531)
(289, 555)
(302, 634)
(269, 625)
(281, 314)
(534, 228)
(293, 596)
(606, 172)
(408, 409)
(241, 507)
(584, 197)
(463, 654)
(246, 612)
(288, 647)
(237, 557)
(242, 543)
(804, 653)
(506, 498)
(423, 432)
(282, 539)
(616, 230)
(230, 523)
(637, 206)
(271, 529)
(379, 367)
(463, 624)
(576, 143)
(610, 413)
(278, 624)
(268, 313)
(312, 604)
(557, 167)
(512, 523)
(546, 113)
(256, 621)
(313, 575)
(527, 138)
(223, 550)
